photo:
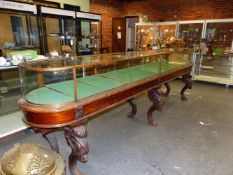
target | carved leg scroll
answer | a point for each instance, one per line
(134, 109)
(187, 79)
(154, 96)
(168, 89)
(52, 139)
(77, 140)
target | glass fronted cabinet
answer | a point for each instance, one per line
(146, 36)
(216, 69)
(18, 32)
(167, 33)
(219, 35)
(216, 64)
(191, 33)
(18, 27)
(103, 73)
(88, 33)
(58, 31)
(152, 36)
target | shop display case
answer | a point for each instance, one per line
(103, 73)
(69, 32)
(89, 33)
(167, 33)
(154, 35)
(18, 33)
(70, 100)
(18, 27)
(219, 36)
(146, 36)
(217, 69)
(58, 31)
(191, 33)
(216, 65)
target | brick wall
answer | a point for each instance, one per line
(195, 9)
(159, 10)
(109, 9)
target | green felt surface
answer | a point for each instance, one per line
(62, 92)
(67, 88)
(47, 96)
(154, 68)
(100, 82)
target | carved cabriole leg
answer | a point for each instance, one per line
(134, 109)
(168, 89)
(77, 140)
(187, 79)
(154, 96)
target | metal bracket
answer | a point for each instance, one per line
(79, 113)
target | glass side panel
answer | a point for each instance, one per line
(175, 60)
(36, 86)
(10, 90)
(215, 66)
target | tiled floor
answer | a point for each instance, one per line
(192, 138)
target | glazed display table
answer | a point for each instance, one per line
(68, 92)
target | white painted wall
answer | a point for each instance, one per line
(84, 4)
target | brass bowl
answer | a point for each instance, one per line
(31, 159)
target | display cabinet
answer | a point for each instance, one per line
(167, 33)
(216, 69)
(18, 27)
(58, 31)
(146, 36)
(216, 65)
(18, 32)
(191, 32)
(219, 36)
(154, 35)
(67, 92)
(89, 33)
(71, 79)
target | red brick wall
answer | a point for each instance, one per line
(165, 10)
(114, 8)
(107, 9)
(195, 9)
